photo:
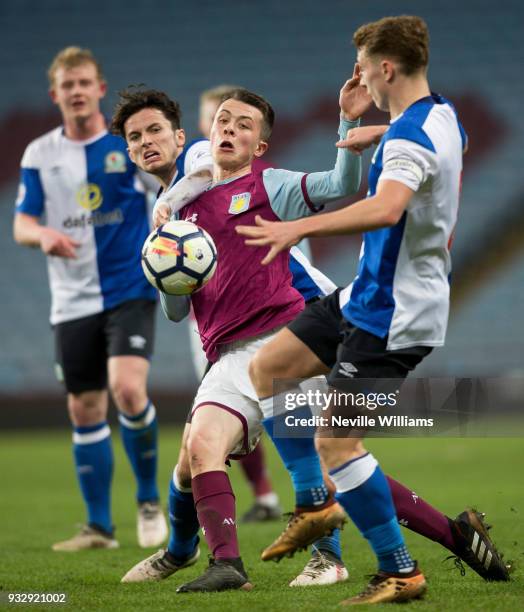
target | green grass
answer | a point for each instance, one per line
(40, 505)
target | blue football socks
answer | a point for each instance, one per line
(363, 491)
(139, 435)
(298, 455)
(183, 520)
(93, 456)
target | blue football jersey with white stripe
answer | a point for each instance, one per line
(402, 289)
(91, 191)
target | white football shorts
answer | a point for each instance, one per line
(228, 387)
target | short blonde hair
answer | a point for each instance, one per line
(217, 93)
(71, 57)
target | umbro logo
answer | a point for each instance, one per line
(347, 369)
(137, 342)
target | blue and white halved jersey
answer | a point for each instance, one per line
(91, 191)
(402, 286)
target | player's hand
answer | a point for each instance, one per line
(161, 213)
(354, 99)
(279, 235)
(360, 138)
(53, 242)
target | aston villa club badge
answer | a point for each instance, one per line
(239, 203)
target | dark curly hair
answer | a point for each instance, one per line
(133, 100)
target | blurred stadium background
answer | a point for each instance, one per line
(297, 54)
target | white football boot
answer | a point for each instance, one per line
(323, 568)
(158, 567)
(87, 538)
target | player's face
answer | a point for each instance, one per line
(77, 91)
(372, 78)
(236, 135)
(152, 143)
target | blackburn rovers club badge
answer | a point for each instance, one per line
(115, 161)
(239, 203)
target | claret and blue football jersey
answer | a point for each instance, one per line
(402, 286)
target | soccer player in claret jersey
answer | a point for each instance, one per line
(80, 178)
(238, 311)
(266, 504)
(396, 309)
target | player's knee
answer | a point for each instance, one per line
(204, 450)
(85, 410)
(199, 448)
(129, 395)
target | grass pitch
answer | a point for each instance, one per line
(40, 504)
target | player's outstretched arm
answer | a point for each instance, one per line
(28, 231)
(384, 209)
(294, 194)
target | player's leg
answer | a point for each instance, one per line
(266, 506)
(80, 354)
(362, 488)
(216, 431)
(129, 331)
(363, 491)
(316, 331)
(466, 536)
(182, 548)
(288, 357)
(183, 538)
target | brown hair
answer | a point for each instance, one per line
(253, 99)
(71, 57)
(134, 100)
(404, 38)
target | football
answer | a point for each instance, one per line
(179, 258)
